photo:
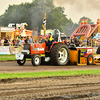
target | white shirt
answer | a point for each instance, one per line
(21, 42)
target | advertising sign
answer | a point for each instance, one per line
(4, 50)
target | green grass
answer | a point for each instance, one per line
(7, 57)
(46, 74)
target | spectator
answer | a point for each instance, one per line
(6, 41)
(39, 40)
(72, 41)
(84, 42)
(17, 42)
(31, 40)
(80, 43)
(10, 43)
(94, 42)
(97, 43)
(65, 41)
(14, 41)
(27, 40)
(21, 41)
(76, 41)
(35, 41)
(43, 39)
(2, 41)
(88, 42)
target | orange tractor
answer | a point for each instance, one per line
(58, 53)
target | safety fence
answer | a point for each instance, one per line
(8, 50)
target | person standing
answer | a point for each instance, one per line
(10, 43)
(21, 41)
(31, 40)
(14, 41)
(6, 41)
(27, 40)
(0, 41)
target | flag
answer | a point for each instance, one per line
(44, 24)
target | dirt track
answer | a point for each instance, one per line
(86, 87)
(13, 67)
(52, 88)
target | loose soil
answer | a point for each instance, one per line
(85, 87)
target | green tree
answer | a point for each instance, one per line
(33, 13)
(89, 21)
(69, 29)
(57, 19)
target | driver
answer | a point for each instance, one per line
(50, 40)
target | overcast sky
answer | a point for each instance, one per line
(5, 3)
(74, 9)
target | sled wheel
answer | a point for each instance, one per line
(90, 60)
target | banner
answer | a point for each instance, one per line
(15, 50)
(4, 50)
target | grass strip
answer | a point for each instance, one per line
(8, 57)
(46, 74)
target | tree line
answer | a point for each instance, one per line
(33, 13)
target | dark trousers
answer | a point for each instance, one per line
(49, 45)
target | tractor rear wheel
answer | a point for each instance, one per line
(90, 60)
(59, 54)
(36, 60)
(21, 62)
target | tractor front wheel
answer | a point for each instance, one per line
(21, 62)
(36, 60)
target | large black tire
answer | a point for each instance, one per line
(36, 60)
(90, 59)
(21, 62)
(55, 54)
(98, 50)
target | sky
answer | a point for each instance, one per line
(5, 3)
(74, 9)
